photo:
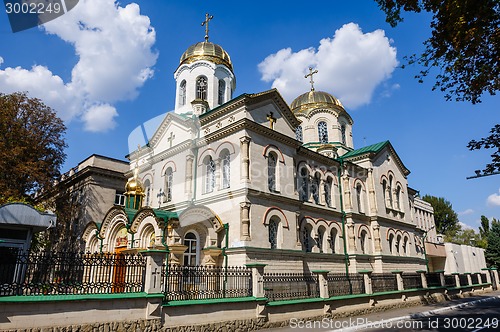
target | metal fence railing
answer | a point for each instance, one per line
(449, 280)
(206, 282)
(433, 279)
(464, 280)
(484, 278)
(412, 281)
(49, 273)
(289, 286)
(475, 279)
(343, 284)
(383, 282)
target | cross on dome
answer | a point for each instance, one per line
(311, 73)
(208, 18)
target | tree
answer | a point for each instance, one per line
(31, 146)
(464, 236)
(464, 46)
(445, 218)
(490, 142)
(493, 250)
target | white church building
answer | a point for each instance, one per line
(243, 179)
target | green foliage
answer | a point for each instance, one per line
(445, 217)
(31, 145)
(464, 45)
(490, 142)
(463, 236)
(493, 250)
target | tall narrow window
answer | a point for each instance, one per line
(328, 192)
(398, 199)
(306, 238)
(272, 160)
(391, 243)
(315, 187)
(201, 88)
(222, 91)
(191, 253)
(210, 174)
(405, 246)
(226, 169)
(321, 236)
(169, 178)
(359, 198)
(389, 189)
(182, 93)
(363, 242)
(298, 134)
(333, 240)
(273, 233)
(147, 185)
(386, 192)
(342, 133)
(304, 184)
(323, 132)
(398, 244)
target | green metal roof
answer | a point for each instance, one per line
(165, 215)
(374, 148)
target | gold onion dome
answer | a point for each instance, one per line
(312, 100)
(134, 186)
(206, 51)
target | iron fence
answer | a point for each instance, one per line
(484, 278)
(412, 281)
(383, 282)
(343, 284)
(290, 286)
(464, 281)
(206, 282)
(50, 273)
(449, 281)
(475, 279)
(433, 279)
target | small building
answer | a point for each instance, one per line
(461, 258)
(18, 223)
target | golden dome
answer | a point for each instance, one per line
(206, 51)
(313, 100)
(134, 186)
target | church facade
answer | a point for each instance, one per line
(242, 179)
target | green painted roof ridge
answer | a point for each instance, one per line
(366, 149)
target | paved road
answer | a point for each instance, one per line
(478, 314)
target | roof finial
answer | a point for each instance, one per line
(311, 73)
(208, 17)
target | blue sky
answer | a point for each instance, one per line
(107, 68)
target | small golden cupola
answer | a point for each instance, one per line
(326, 126)
(134, 191)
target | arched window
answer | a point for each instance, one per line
(191, 253)
(342, 133)
(398, 198)
(307, 241)
(405, 246)
(209, 174)
(333, 240)
(389, 189)
(391, 243)
(328, 191)
(222, 91)
(386, 192)
(303, 183)
(321, 238)
(323, 132)
(398, 244)
(169, 179)
(363, 240)
(201, 88)
(226, 169)
(359, 198)
(273, 233)
(147, 185)
(272, 160)
(182, 93)
(315, 187)
(298, 134)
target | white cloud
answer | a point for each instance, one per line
(493, 199)
(351, 65)
(113, 44)
(466, 212)
(465, 226)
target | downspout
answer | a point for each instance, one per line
(346, 255)
(224, 254)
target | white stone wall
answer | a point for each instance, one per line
(462, 258)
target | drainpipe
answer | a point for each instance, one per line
(167, 252)
(224, 254)
(346, 255)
